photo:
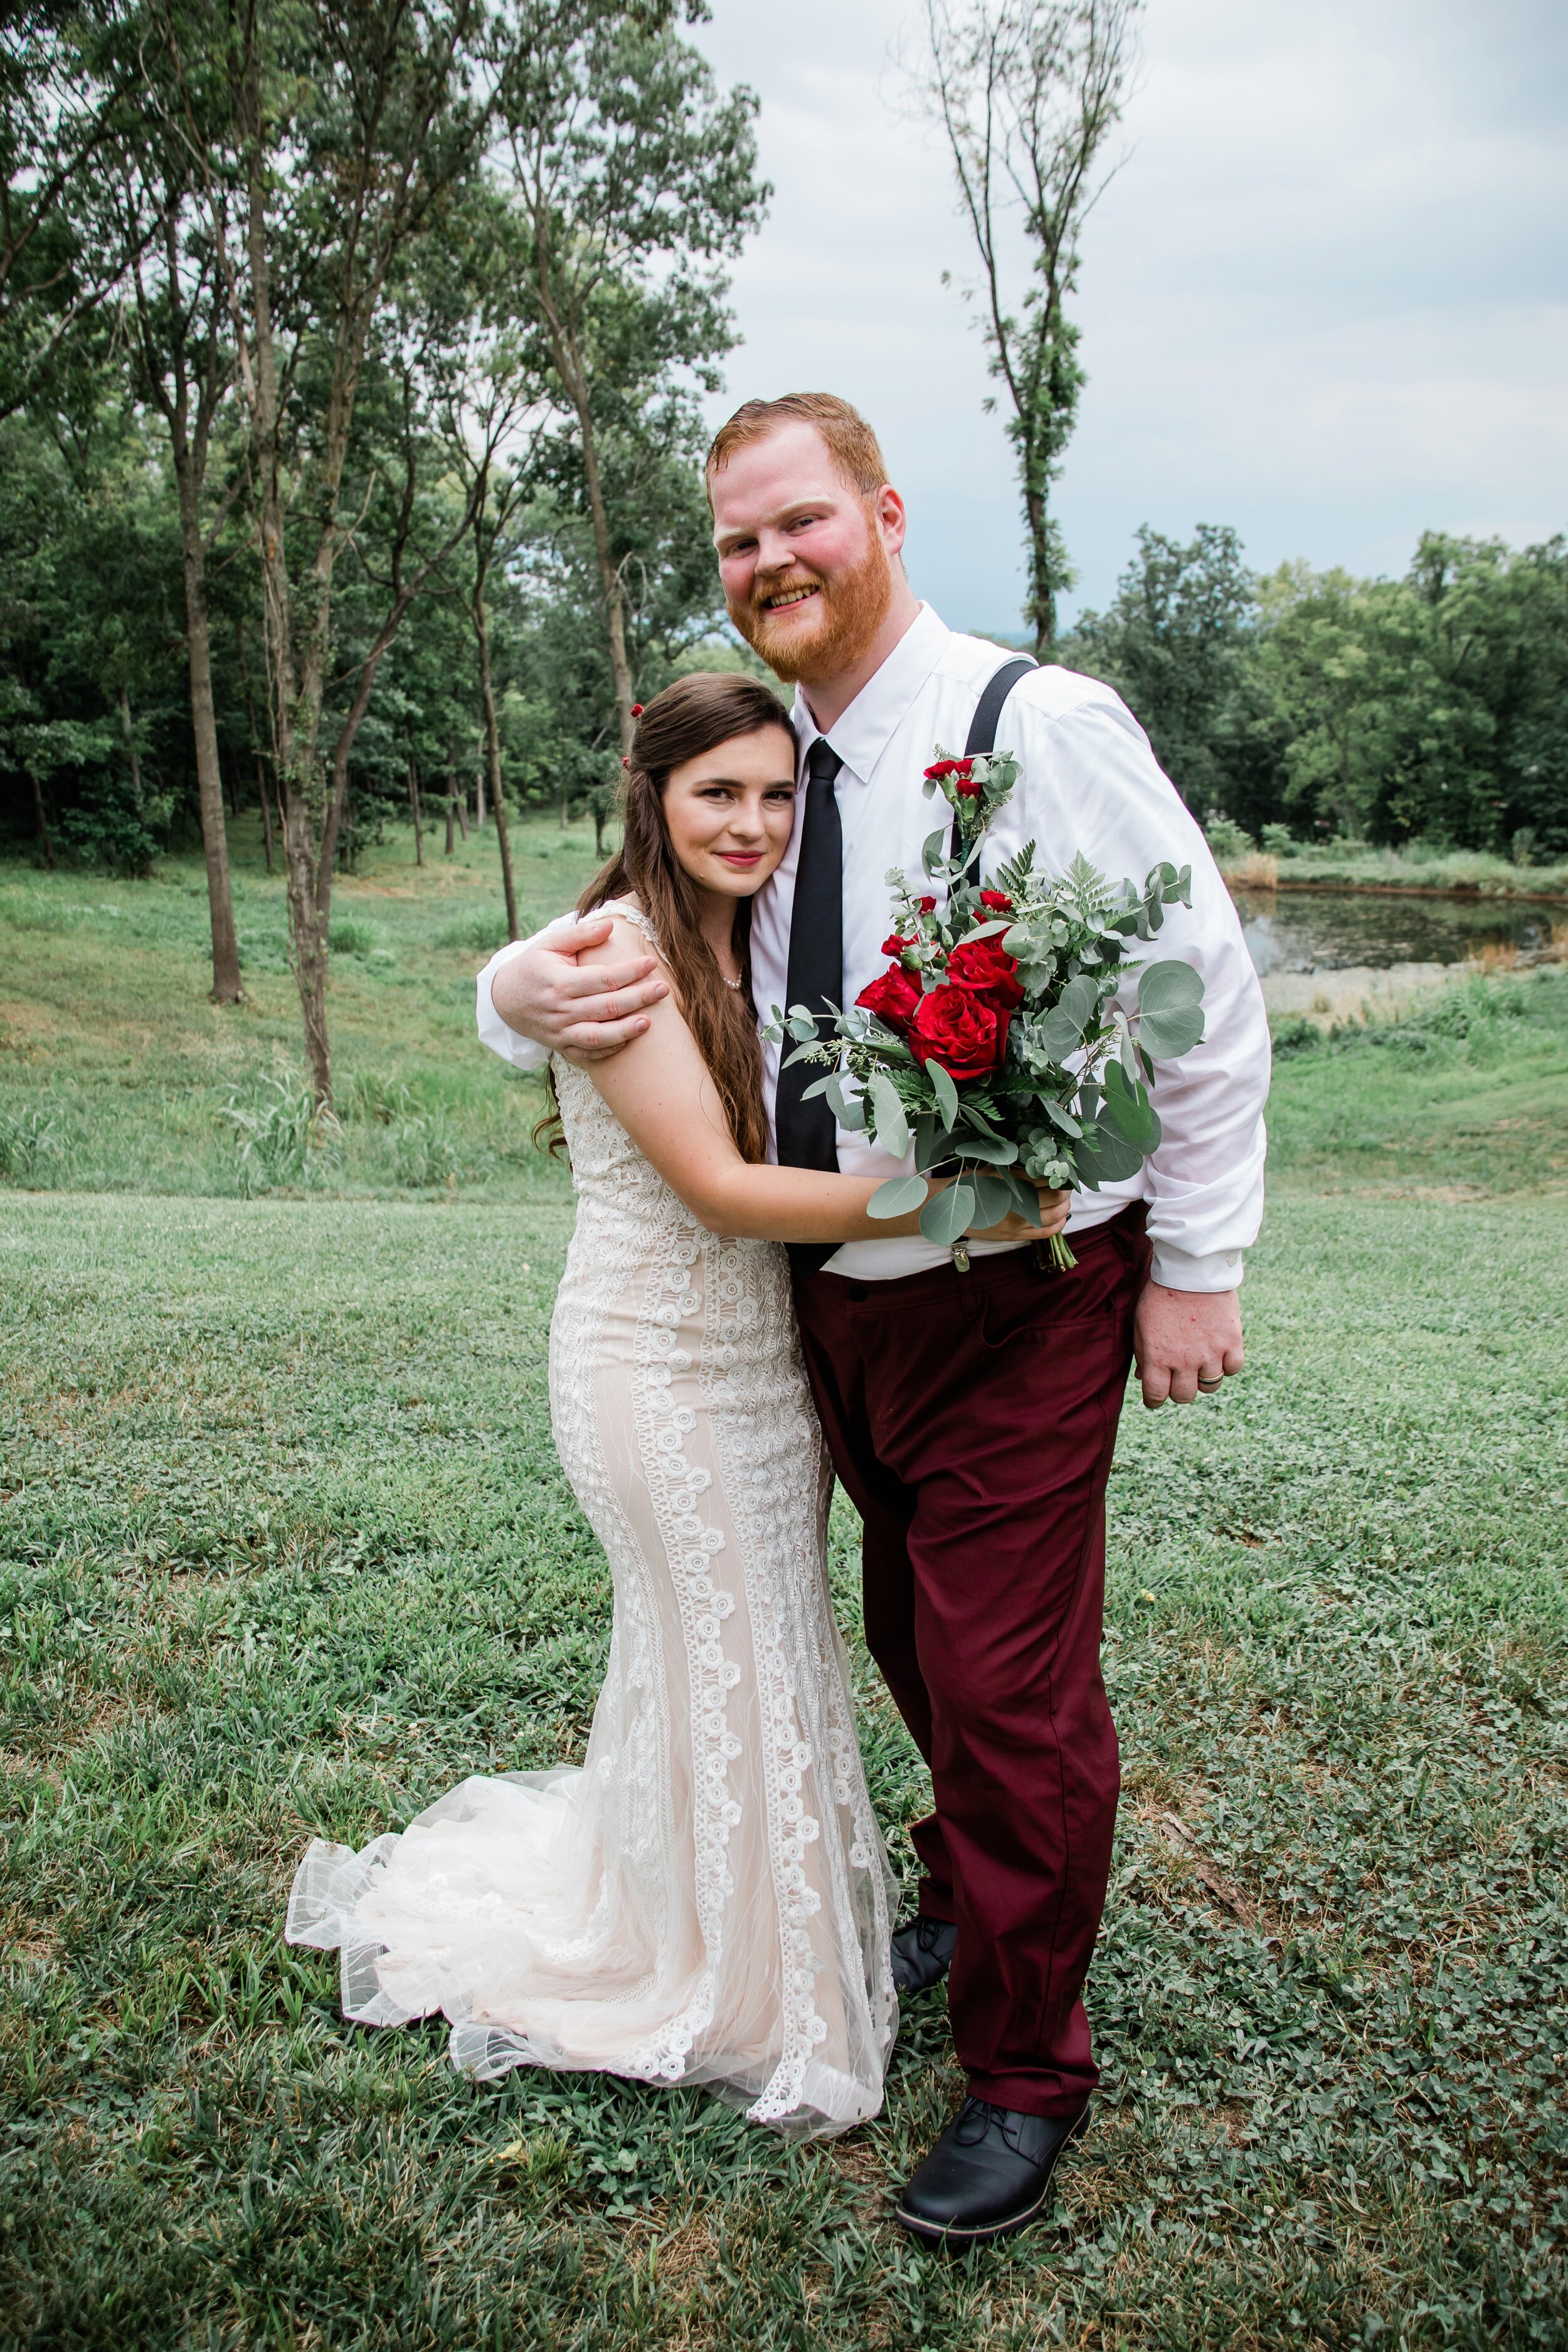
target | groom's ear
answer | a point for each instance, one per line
(889, 514)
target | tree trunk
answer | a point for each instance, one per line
(266, 808)
(133, 757)
(226, 987)
(610, 580)
(450, 829)
(43, 822)
(479, 793)
(413, 805)
(492, 750)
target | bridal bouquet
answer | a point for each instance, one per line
(999, 1038)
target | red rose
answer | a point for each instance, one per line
(959, 1030)
(926, 906)
(980, 966)
(894, 946)
(997, 900)
(892, 996)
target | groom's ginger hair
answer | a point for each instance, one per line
(851, 444)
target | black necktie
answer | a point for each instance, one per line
(805, 1130)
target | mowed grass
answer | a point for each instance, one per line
(284, 1548)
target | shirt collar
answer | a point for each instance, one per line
(864, 730)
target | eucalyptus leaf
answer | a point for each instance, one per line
(818, 1086)
(1061, 1032)
(1104, 1158)
(993, 1200)
(892, 1126)
(896, 1197)
(994, 1149)
(1161, 987)
(800, 1053)
(933, 854)
(1130, 1110)
(1170, 1014)
(946, 1093)
(948, 1214)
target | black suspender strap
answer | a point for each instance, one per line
(987, 712)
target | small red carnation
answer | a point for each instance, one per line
(636, 710)
(997, 900)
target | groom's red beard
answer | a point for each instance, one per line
(849, 610)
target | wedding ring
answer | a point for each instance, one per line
(1208, 1387)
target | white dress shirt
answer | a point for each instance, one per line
(1088, 782)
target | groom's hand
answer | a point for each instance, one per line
(545, 993)
(1184, 1340)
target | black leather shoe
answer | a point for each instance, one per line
(988, 2175)
(922, 1954)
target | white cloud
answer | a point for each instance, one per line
(1323, 298)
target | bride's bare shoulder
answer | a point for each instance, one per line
(631, 934)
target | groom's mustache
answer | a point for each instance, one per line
(777, 592)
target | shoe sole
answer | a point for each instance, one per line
(959, 2238)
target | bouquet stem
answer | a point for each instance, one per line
(1061, 1258)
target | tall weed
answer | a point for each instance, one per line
(279, 1135)
(27, 1140)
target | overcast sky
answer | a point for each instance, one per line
(1324, 298)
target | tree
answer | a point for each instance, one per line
(1027, 92)
(633, 179)
(351, 130)
(1173, 643)
(69, 73)
(183, 362)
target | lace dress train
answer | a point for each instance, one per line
(706, 1899)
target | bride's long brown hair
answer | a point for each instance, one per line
(695, 715)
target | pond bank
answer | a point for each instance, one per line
(1460, 874)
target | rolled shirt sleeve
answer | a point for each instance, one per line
(1091, 782)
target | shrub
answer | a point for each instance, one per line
(1294, 1035)
(1227, 839)
(1276, 839)
(351, 937)
(425, 1150)
(281, 1137)
(27, 1138)
(380, 1100)
(480, 934)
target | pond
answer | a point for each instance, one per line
(1338, 931)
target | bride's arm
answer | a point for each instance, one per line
(660, 1089)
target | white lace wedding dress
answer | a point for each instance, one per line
(706, 1899)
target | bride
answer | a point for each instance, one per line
(706, 1898)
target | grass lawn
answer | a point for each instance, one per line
(284, 1548)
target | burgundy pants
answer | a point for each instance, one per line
(972, 1418)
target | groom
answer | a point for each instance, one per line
(972, 1416)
